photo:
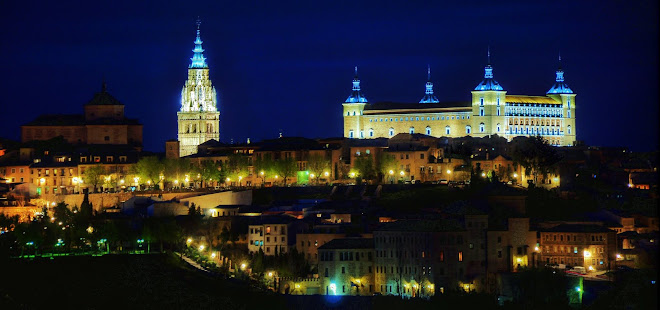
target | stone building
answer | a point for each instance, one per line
(103, 122)
(491, 111)
(588, 245)
(346, 267)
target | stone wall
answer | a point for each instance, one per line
(99, 201)
(24, 213)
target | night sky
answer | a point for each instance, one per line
(289, 67)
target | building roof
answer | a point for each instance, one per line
(488, 83)
(429, 97)
(530, 99)
(421, 226)
(356, 94)
(77, 120)
(560, 87)
(583, 228)
(348, 243)
(58, 120)
(103, 98)
(416, 106)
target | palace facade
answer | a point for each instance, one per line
(198, 118)
(491, 111)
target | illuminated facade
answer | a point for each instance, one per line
(198, 119)
(491, 111)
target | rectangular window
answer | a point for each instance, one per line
(460, 256)
(343, 270)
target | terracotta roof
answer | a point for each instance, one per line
(530, 99)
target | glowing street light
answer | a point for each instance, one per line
(311, 175)
(189, 241)
(327, 173)
(201, 248)
(391, 172)
(213, 255)
(402, 173)
(515, 175)
(352, 174)
(483, 174)
(448, 171)
(243, 266)
(587, 253)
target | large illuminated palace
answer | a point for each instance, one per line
(492, 111)
(198, 119)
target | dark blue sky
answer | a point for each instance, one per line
(289, 66)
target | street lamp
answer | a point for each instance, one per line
(243, 266)
(201, 248)
(189, 241)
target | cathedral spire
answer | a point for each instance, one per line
(356, 94)
(488, 82)
(428, 96)
(198, 60)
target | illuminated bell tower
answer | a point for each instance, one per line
(488, 102)
(198, 119)
(353, 109)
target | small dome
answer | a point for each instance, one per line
(103, 98)
(356, 94)
(488, 82)
(560, 87)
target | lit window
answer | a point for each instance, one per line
(350, 134)
(498, 127)
(412, 130)
(391, 132)
(468, 129)
(460, 256)
(482, 127)
(428, 131)
(371, 132)
(481, 101)
(481, 111)
(447, 130)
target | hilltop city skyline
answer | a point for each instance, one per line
(289, 72)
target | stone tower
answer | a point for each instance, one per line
(198, 119)
(488, 103)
